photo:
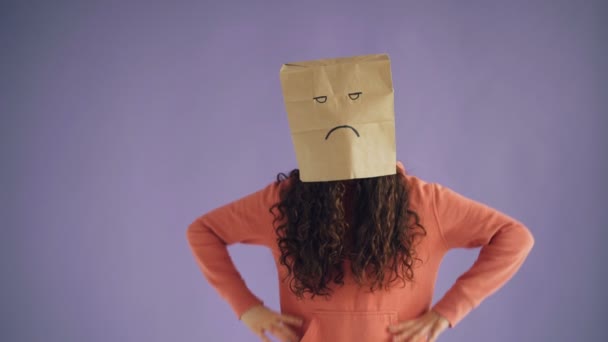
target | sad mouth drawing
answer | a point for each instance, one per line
(338, 127)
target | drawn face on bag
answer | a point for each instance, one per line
(341, 117)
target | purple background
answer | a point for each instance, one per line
(121, 123)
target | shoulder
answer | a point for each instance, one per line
(270, 191)
(420, 191)
(421, 200)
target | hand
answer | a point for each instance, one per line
(430, 324)
(260, 320)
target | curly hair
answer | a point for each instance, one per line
(315, 235)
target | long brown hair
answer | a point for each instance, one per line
(315, 236)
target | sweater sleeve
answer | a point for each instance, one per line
(505, 243)
(246, 220)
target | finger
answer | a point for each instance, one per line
(293, 320)
(286, 333)
(410, 335)
(277, 332)
(417, 338)
(263, 336)
(402, 326)
(435, 331)
(421, 338)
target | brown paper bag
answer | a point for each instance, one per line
(341, 117)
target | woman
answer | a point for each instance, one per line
(357, 241)
(345, 249)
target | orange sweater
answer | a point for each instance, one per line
(451, 221)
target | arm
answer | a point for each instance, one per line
(246, 220)
(505, 243)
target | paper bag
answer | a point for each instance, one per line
(341, 117)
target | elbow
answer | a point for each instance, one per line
(531, 240)
(193, 230)
(527, 239)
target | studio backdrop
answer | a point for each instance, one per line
(123, 121)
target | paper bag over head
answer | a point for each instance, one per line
(341, 116)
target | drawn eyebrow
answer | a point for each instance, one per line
(354, 96)
(320, 99)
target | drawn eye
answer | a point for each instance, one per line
(354, 96)
(320, 99)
